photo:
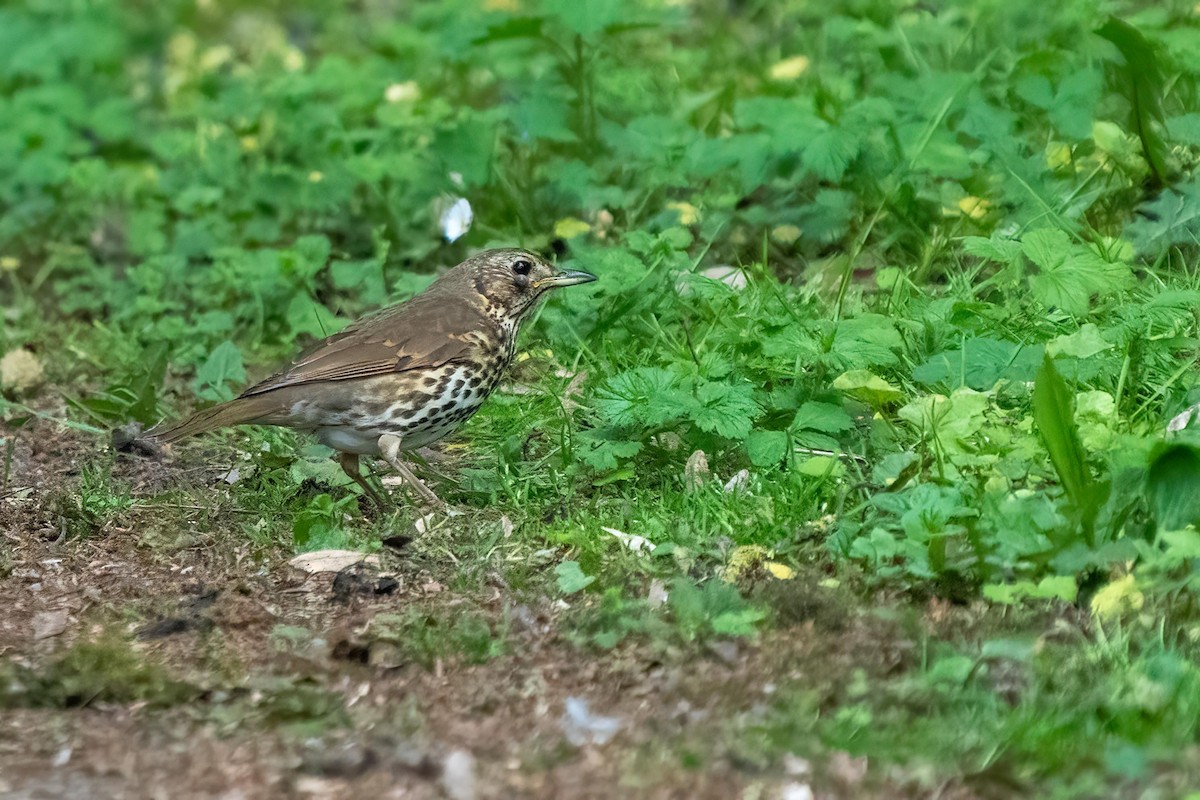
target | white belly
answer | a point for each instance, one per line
(349, 440)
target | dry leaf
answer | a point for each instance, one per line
(331, 560)
(49, 623)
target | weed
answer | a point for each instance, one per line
(84, 510)
(103, 670)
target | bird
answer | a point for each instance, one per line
(402, 377)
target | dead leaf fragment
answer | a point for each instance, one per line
(695, 472)
(331, 560)
(49, 623)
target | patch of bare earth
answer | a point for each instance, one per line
(209, 609)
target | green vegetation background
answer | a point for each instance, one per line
(926, 273)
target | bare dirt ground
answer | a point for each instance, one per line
(277, 688)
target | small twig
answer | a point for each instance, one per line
(185, 507)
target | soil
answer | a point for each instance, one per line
(281, 689)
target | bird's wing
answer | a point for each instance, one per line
(413, 335)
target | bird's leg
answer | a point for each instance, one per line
(349, 462)
(389, 448)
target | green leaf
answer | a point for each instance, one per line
(952, 421)
(308, 317)
(738, 623)
(868, 340)
(725, 409)
(1083, 343)
(868, 387)
(543, 116)
(1171, 218)
(512, 28)
(1144, 87)
(604, 448)
(828, 216)
(571, 578)
(767, 448)
(1069, 275)
(223, 365)
(997, 248)
(1173, 486)
(1051, 587)
(585, 19)
(1054, 417)
(829, 153)
(646, 396)
(824, 417)
(980, 363)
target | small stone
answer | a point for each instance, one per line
(726, 650)
(796, 766)
(582, 727)
(458, 775)
(738, 483)
(796, 791)
(49, 623)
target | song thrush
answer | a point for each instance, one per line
(404, 376)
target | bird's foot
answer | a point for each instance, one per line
(389, 449)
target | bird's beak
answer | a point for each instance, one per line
(568, 277)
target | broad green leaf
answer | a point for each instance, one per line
(1070, 275)
(868, 340)
(767, 448)
(223, 366)
(738, 623)
(1083, 343)
(824, 417)
(647, 396)
(1144, 88)
(571, 578)
(868, 387)
(725, 409)
(980, 363)
(829, 153)
(1173, 486)
(822, 467)
(953, 421)
(512, 28)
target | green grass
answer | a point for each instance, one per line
(966, 310)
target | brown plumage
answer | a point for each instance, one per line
(404, 376)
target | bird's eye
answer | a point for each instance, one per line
(522, 266)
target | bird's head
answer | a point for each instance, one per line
(511, 283)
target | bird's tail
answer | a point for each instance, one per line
(234, 412)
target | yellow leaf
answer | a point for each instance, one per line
(744, 559)
(1118, 597)
(974, 207)
(781, 571)
(688, 213)
(570, 227)
(790, 68)
(1058, 155)
(785, 234)
(402, 92)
